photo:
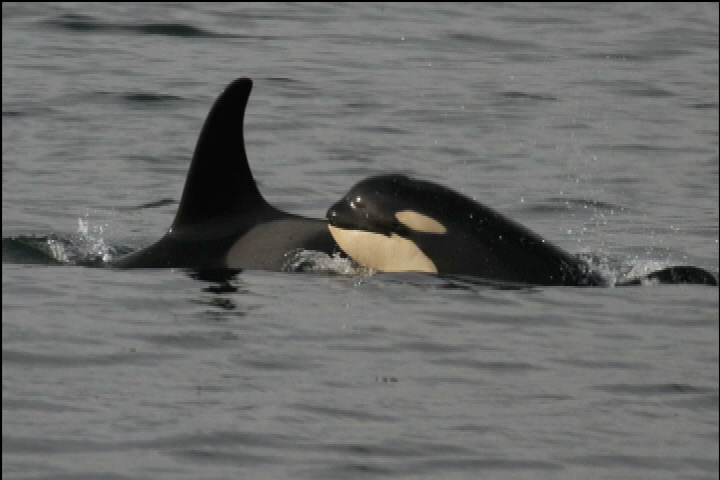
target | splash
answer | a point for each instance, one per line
(89, 245)
(301, 260)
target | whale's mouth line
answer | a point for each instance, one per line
(337, 222)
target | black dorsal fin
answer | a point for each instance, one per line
(219, 181)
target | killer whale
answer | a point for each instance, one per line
(390, 222)
(393, 223)
(223, 222)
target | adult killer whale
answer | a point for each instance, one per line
(223, 222)
(393, 223)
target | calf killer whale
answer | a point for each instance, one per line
(393, 223)
(223, 222)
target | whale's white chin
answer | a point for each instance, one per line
(383, 253)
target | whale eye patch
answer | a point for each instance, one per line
(419, 222)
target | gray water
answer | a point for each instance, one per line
(594, 125)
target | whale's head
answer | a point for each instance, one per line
(380, 220)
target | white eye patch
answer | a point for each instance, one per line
(383, 253)
(419, 222)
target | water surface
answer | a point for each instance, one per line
(594, 125)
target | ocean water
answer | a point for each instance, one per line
(594, 125)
